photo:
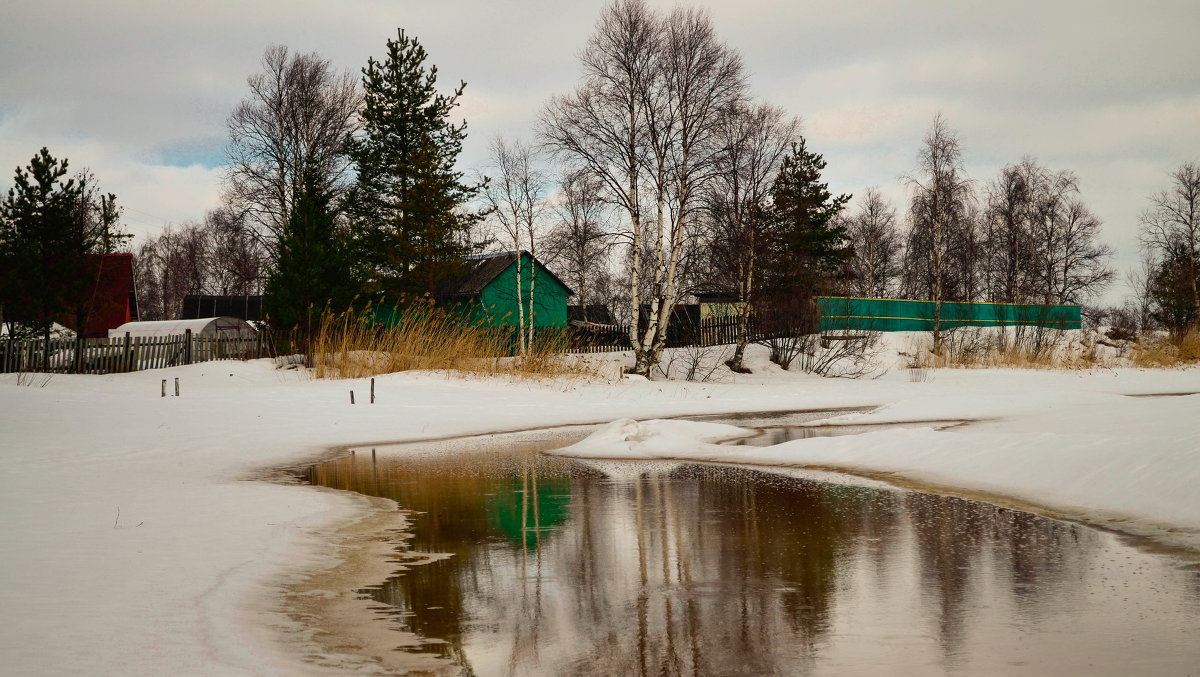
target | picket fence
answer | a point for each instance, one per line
(123, 354)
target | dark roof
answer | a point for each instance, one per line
(197, 306)
(479, 271)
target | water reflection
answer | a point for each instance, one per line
(542, 565)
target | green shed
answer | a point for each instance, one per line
(487, 291)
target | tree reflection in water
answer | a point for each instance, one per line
(551, 566)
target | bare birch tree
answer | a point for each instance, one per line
(1079, 262)
(753, 142)
(1170, 227)
(643, 121)
(940, 210)
(516, 196)
(579, 244)
(298, 115)
(878, 247)
(1041, 241)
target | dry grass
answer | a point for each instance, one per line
(1024, 348)
(1051, 349)
(347, 346)
(1167, 351)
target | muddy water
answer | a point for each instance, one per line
(520, 564)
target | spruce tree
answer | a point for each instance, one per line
(408, 224)
(315, 273)
(805, 243)
(41, 251)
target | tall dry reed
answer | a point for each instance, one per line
(421, 337)
(1180, 350)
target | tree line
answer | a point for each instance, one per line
(658, 177)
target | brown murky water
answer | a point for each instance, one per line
(526, 564)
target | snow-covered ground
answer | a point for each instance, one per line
(186, 578)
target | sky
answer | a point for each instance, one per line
(139, 92)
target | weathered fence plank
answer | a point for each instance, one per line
(123, 354)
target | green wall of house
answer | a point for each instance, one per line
(498, 301)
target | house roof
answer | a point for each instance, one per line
(479, 271)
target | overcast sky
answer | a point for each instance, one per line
(139, 91)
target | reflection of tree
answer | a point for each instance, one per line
(555, 569)
(948, 534)
(1032, 555)
(486, 512)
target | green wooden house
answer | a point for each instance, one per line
(486, 292)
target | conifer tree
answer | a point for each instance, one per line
(805, 242)
(406, 207)
(315, 271)
(40, 249)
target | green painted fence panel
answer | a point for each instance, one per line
(858, 314)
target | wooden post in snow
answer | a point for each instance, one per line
(372, 390)
(164, 388)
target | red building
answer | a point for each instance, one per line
(111, 301)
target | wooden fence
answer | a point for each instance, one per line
(711, 331)
(128, 353)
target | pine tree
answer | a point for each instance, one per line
(41, 253)
(806, 243)
(408, 224)
(315, 272)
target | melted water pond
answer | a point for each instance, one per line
(520, 563)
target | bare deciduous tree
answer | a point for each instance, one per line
(1078, 263)
(940, 214)
(579, 244)
(753, 141)
(516, 196)
(878, 247)
(1170, 227)
(217, 256)
(644, 121)
(298, 116)
(1042, 243)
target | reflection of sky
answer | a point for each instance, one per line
(750, 572)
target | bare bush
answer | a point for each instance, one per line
(694, 363)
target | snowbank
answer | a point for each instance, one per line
(1129, 462)
(189, 577)
(627, 439)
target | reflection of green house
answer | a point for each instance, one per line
(487, 291)
(528, 510)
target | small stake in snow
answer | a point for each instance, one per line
(176, 387)
(372, 391)
(164, 390)
(351, 397)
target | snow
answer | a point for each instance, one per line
(189, 577)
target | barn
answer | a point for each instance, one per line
(487, 291)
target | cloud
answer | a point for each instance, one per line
(140, 91)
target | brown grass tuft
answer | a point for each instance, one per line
(1167, 351)
(428, 339)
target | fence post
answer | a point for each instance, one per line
(187, 348)
(127, 354)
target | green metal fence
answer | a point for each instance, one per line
(858, 314)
